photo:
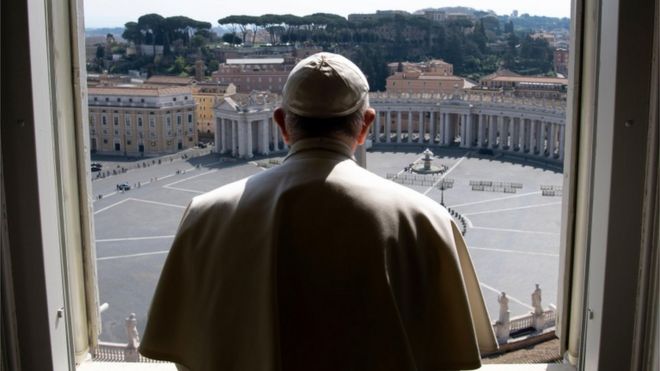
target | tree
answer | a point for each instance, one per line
(152, 26)
(508, 27)
(231, 39)
(133, 33)
(100, 52)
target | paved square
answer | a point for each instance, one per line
(513, 238)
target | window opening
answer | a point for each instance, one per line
(494, 126)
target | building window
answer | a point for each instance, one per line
(115, 120)
(104, 120)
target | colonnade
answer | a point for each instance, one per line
(510, 125)
(507, 132)
(244, 135)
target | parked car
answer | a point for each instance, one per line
(123, 186)
(96, 166)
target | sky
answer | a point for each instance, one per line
(115, 13)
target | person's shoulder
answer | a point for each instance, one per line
(389, 194)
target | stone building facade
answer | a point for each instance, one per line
(252, 74)
(141, 120)
(245, 126)
(431, 77)
(207, 95)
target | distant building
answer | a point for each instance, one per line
(150, 50)
(207, 95)
(560, 61)
(528, 86)
(245, 126)
(141, 120)
(547, 36)
(436, 15)
(366, 17)
(165, 80)
(459, 16)
(434, 77)
(362, 17)
(249, 74)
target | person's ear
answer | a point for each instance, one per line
(279, 117)
(369, 116)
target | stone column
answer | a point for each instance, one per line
(264, 148)
(420, 128)
(552, 136)
(432, 127)
(464, 138)
(409, 117)
(398, 126)
(274, 130)
(522, 139)
(376, 128)
(544, 143)
(388, 126)
(220, 145)
(234, 138)
(530, 134)
(481, 129)
(562, 140)
(470, 131)
(493, 129)
(248, 142)
(515, 136)
(537, 137)
(444, 127)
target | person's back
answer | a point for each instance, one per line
(317, 264)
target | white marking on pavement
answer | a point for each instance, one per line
(491, 288)
(444, 175)
(169, 185)
(157, 203)
(132, 255)
(513, 208)
(134, 238)
(515, 251)
(111, 206)
(184, 190)
(508, 230)
(188, 178)
(496, 199)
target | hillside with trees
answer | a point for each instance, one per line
(476, 46)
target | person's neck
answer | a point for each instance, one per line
(350, 142)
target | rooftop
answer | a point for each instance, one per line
(144, 90)
(255, 60)
(169, 80)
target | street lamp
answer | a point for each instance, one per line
(444, 184)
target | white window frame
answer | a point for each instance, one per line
(605, 100)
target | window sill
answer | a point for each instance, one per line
(127, 366)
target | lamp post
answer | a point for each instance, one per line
(444, 184)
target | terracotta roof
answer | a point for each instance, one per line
(174, 80)
(148, 91)
(531, 79)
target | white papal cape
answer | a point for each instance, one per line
(318, 265)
